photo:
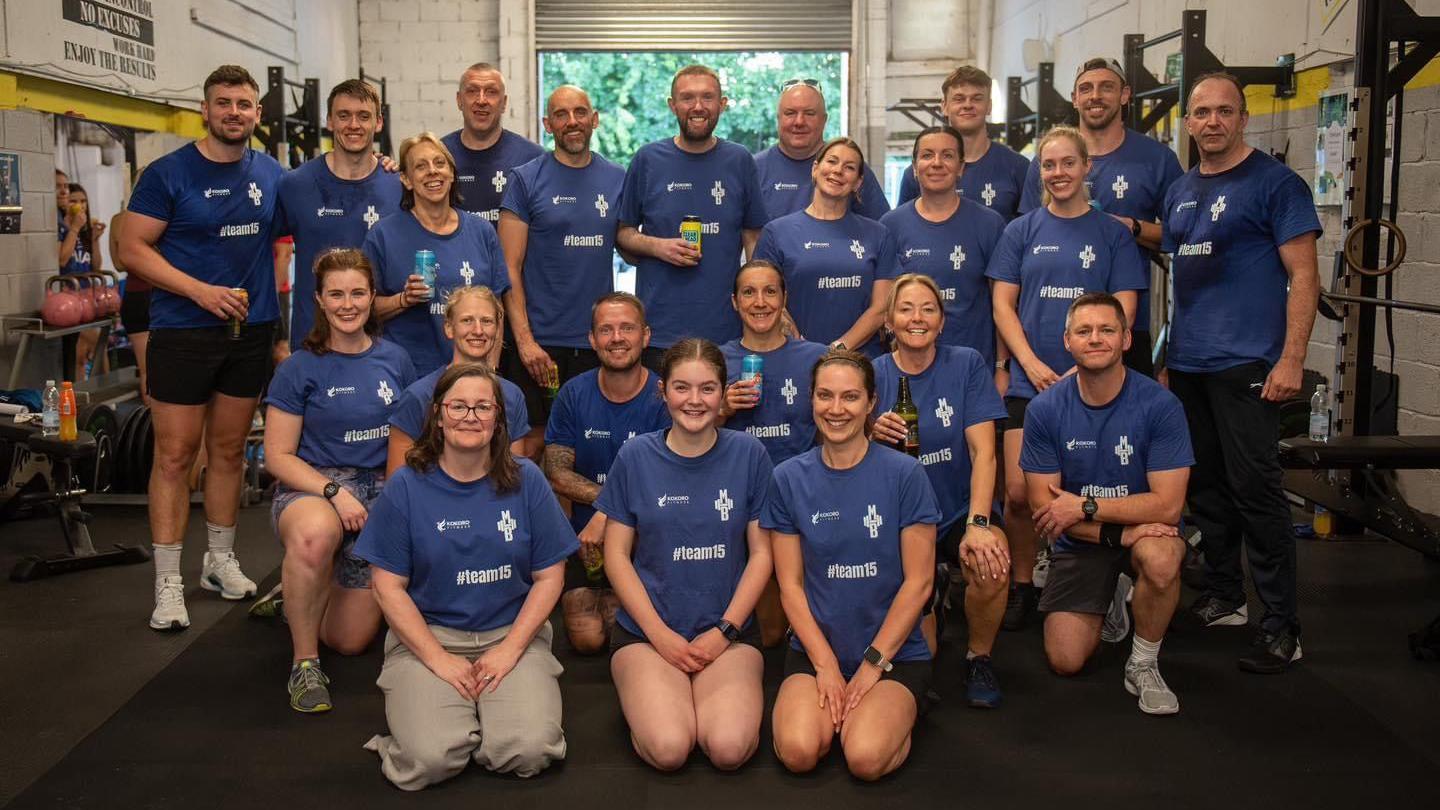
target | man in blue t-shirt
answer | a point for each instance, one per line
(332, 202)
(685, 289)
(1242, 228)
(199, 228)
(557, 229)
(1129, 175)
(594, 415)
(994, 174)
(785, 182)
(1106, 459)
(484, 150)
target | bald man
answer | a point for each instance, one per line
(557, 228)
(485, 151)
(785, 184)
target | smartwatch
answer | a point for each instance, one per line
(331, 490)
(980, 520)
(1090, 507)
(1135, 227)
(873, 656)
(728, 630)
(838, 346)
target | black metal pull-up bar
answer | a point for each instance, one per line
(1023, 124)
(379, 81)
(291, 138)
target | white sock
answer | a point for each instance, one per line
(1144, 653)
(167, 561)
(222, 538)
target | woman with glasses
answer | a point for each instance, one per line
(325, 444)
(467, 546)
(837, 264)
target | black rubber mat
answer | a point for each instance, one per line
(1357, 725)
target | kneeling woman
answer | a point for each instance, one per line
(853, 528)
(325, 444)
(468, 548)
(687, 558)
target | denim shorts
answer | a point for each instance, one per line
(365, 485)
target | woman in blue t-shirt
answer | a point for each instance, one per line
(467, 253)
(1044, 260)
(467, 546)
(853, 527)
(83, 257)
(325, 434)
(837, 264)
(954, 392)
(687, 557)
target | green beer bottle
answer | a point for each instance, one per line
(905, 409)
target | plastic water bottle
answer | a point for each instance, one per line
(1320, 414)
(50, 416)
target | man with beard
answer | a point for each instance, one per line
(691, 174)
(1129, 175)
(484, 151)
(334, 201)
(199, 228)
(784, 168)
(557, 229)
(994, 173)
(594, 414)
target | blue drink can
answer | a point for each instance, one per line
(425, 267)
(752, 367)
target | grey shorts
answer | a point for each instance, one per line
(1082, 579)
(365, 485)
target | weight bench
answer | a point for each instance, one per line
(1362, 452)
(65, 494)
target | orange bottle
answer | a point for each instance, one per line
(69, 431)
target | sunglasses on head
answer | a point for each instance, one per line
(789, 83)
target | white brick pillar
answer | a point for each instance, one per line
(517, 62)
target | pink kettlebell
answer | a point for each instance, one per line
(62, 307)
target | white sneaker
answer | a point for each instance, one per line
(1117, 619)
(221, 572)
(170, 612)
(1155, 696)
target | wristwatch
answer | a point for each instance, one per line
(1090, 507)
(873, 656)
(331, 490)
(838, 346)
(980, 520)
(728, 630)
(1135, 227)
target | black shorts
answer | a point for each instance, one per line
(620, 637)
(915, 676)
(1137, 357)
(135, 312)
(1082, 579)
(1015, 408)
(570, 362)
(189, 366)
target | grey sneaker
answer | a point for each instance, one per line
(1117, 619)
(170, 612)
(1155, 696)
(309, 687)
(221, 572)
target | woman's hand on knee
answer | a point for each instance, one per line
(831, 685)
(352, 513)
(494, 664)
(860, 684)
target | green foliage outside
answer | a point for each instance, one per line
(630, 89)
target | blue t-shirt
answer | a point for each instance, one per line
(414, 406)
(1231, 288)
(80, 260)
(830, 268)
(1130, 181)
(470, 255)
(1105, 451)
(786, 186)
(784, 421)
(569, 255)
(469, 552)
(849, 524)
(1054, 261)
(583, 420)
(995, 180)
(665, 184)
(345, 400)
(955, 392)
(955, 254)
(322, 212)
(690, 517)
(481, 175)
(220, 223)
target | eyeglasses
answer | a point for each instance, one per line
(458, 410)
(789, 83)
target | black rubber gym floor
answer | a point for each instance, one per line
(98, 711)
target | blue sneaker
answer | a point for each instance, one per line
(982, 691)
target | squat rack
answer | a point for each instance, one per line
(1023, 124)
(291, 138)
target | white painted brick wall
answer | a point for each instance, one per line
(29, 257)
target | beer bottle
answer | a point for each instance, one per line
(905, 409)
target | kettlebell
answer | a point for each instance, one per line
(112, 290)
(85, 296)
(62, 307)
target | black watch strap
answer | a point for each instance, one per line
(1135, 227)
(331, 490)
(873, 656)
(728, 630)
(980, 520)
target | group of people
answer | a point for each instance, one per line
(713, 509)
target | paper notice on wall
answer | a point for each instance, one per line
(1332, 122)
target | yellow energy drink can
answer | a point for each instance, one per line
(690, 230)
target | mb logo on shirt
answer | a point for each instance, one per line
(506, 525)
(789, 391)
(957, 257)
(873, 521)
(1119, 186)
(1215, 210)
(1124, 450)
(601, 205)
(857, 248)
(498, 181)
(943, 412)
(1087, 257)
(723, 505)
(718, 192)
(371, 217)
(255, 194)
(988, 195)
(385, 392)
(467, 272)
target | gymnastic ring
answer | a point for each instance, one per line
(1351, 246)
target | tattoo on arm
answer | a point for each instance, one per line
(560, 469)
